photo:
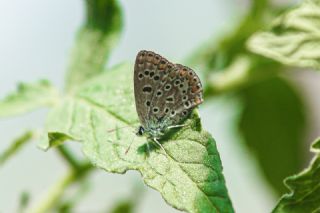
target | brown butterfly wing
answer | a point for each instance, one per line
(165, 93)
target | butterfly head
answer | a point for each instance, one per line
(140, 131)
(150, 132)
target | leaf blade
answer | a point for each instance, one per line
(191, 179)
(27, 98)
(293, 38)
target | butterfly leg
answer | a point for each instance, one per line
(159, 144)
(177, 126)
(148, 149)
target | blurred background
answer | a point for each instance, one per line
(263, 129)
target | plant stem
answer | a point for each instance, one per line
(69, 157)
(55, 193)
(77, 171)
(94, 41)
(58, 189)
(16, 146)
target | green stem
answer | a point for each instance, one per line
(58, 189)
(16, 146)
(77, 172)
(94, 41)
(55, 193)
(69, 157)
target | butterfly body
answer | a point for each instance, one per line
(165, 93)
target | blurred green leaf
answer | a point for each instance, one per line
(95, 41)
(245, 70)
(67, 205)
(23, 202)
(130, 204)
(293, 38)
(15, 146)
(189, 176)
(272, 124)
(227, 64)
(27, 98)
(219, 54)
(125, 206)
(304, 188)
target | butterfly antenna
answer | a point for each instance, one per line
(130, 145)
(112, 130)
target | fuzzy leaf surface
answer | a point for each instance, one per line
(189, 176)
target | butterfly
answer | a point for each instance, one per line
(165, 94)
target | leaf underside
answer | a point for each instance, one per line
(293, 38)
(189, 176)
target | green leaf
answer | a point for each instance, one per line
(94, 43)
(23, 201)
(189, 176)
(52, 139)
(273, 126)
(220, 54)
(293, 38)
(27, 98)
(69, 202)
(129, 204)
(125, 206)
(304, 187)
